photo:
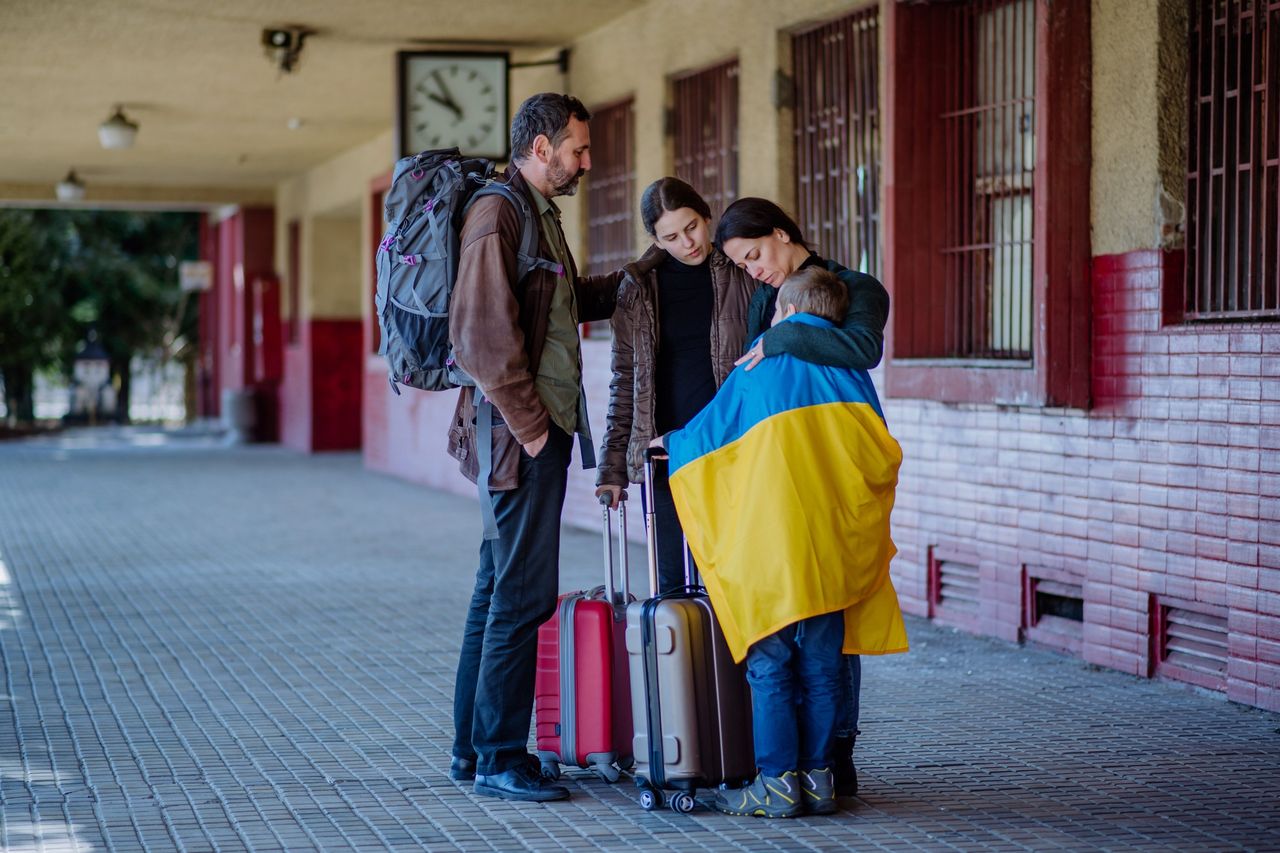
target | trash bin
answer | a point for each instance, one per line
(238, 414)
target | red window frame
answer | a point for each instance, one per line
(922, 58)
(377, 225)
(294, 260)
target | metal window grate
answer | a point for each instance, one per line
(989, 132)
(705, 124)
(1193, 644)
(837, 138)
(611, 189)
(1233, 173)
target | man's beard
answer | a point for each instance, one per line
(560, 179)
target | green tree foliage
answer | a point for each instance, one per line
(65, 272)
(33, 319)
(122, 281)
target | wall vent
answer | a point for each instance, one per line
(954, 587)
(1053, 608)
(1190, 640)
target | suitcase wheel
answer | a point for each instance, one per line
(682, 802)
(607, 772)
(650, 799)
(550, 771)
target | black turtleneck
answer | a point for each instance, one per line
(685, 381)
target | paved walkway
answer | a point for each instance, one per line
(221, 649)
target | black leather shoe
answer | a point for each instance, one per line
(462, 769)
(846, 775)
(520, 783)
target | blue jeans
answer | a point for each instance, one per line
(795, 678)
(850, 691)
(515, 592)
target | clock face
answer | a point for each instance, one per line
(449, 100)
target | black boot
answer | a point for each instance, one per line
(842, 765)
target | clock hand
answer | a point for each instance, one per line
(449, 105)
(444, 90)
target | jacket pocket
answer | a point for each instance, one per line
(462, 446)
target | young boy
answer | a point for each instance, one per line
(784, 485)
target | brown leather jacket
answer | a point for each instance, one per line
(498, 328)
(632, 395)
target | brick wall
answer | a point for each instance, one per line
(1166, 492)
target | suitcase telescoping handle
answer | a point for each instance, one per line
(623, 557)
(650, 530)
(691, 578)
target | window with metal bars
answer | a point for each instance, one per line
(705, 126)
(837, 138)
(611, 189)
(989, 130)
(1233, 173)
(986, 199)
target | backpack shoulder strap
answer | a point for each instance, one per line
(527, 258)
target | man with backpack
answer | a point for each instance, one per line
(517, 338)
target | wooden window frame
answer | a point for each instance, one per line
(916, 36)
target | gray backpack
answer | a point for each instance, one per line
(417, 261)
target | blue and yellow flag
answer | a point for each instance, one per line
(784, 484)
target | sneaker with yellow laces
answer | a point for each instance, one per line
(767, 796)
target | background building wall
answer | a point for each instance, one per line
(1166, 489)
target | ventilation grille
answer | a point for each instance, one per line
(1057, 600)
(957, 586)
(1193, 645)
(1053, 608)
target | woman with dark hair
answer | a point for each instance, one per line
(762, 239)
(680, 323)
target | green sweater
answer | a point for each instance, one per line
(858, 343)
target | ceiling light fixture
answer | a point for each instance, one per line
(70, 188)
(284, 45)
(117, 131)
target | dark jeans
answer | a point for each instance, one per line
(515, 592)
(670, 533)
(795, 678)
(850, 693)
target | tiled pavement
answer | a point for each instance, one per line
(221, 649)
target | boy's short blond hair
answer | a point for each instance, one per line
(815, 291)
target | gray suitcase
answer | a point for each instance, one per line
(690, 703)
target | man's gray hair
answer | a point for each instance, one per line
(546, 114)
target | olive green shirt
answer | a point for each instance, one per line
(559, 379)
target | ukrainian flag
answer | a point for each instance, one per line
(784, 484)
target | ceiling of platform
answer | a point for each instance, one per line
(213, 109)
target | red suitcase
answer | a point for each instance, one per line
(582, 697)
